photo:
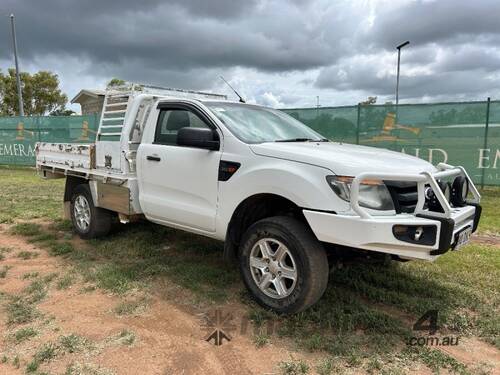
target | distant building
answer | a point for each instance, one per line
(91, 101)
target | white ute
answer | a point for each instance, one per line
(283, 198)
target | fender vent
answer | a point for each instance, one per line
(404, 195)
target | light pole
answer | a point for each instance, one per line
(18, 79)
(399, 61)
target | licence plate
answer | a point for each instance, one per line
(463, 237)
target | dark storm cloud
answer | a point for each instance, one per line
(454, 50)
(435, 22)
(436, 84)
(177, 34)
(189, 43)
(469, 57)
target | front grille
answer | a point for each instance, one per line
(404, 195)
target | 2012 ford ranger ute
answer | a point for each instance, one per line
(280, 195)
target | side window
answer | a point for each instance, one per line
(171, 120)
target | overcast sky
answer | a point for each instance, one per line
(279, 53)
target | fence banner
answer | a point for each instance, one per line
(19, 134)
(466, 134)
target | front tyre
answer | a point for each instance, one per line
(88, 220)
(283, 265)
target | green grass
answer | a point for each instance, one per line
(136, 255)
(60, 248)
(65, 282)
(36, 291)
(30, 275)
(3, 271)
(24, 334)
(126, 337)
(26, 229)
(490, 219)
(32, 367)
(39, 198)
(43, 238)
(20, 311)
(326, 367)
(362, 321)
(4, 250)
(47, 352)
(86, 369)
(73, 343)
(21, 308)
(16, 362)
(293, 367)
(27, 255)
(261, 339)
(131, 307)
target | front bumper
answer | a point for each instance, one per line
(361, 229)
(377, 233)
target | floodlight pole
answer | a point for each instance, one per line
(399, 61)
(18, 79)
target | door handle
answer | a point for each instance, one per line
(153, 158)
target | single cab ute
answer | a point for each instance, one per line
(279, 195)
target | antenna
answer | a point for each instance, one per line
(232, 88)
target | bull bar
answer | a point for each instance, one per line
(444, 171)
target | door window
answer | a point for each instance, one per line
(171, 120)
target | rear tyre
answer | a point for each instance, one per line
(283, 265)
(88, 221)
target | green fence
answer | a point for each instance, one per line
(19, 134)
(466, 134)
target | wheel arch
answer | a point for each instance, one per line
(252, 209)
(71, 183)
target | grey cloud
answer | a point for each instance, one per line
(469, 57)
(168, 34)
(355, 76)
(217, 8)
(189, 43)
(365, 77)
(433, 21)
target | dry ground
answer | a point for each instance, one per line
(138, 334)
(141, 302)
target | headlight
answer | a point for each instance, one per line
(372, 193)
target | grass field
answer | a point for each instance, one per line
(363, 322)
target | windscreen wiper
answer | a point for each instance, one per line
(302, 140)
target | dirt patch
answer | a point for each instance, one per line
(164, 337)
(164, 334)
(486, 240)
(475, 353)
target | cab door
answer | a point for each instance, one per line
(178, 184)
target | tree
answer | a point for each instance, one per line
(62, 112)
(369, 101)
(114, 82)
(41, 93)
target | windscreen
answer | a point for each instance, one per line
(255, 124)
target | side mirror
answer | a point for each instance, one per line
(198, 137)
